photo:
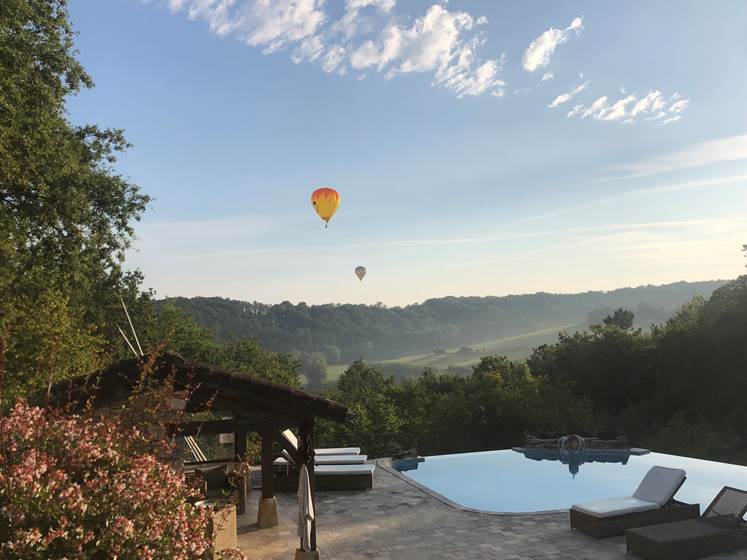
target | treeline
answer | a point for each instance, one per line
(346, 332)
(679, 388)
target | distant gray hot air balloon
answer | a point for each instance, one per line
(360, 272)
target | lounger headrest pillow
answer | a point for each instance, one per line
(659, 485)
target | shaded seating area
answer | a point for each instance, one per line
(215, 401)
(721, 528)
(652, 503)
(337, 468)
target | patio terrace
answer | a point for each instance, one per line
(398, 521)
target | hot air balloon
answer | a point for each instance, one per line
(325, 201)
(360, 272)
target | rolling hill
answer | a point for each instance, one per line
(509, 325)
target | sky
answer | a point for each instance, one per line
(479, 147)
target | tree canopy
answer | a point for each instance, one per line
(66, 219)
(377, 332)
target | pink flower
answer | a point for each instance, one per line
(75, 488)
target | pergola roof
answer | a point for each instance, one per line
(259, 402)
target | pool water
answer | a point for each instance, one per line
(507, 481)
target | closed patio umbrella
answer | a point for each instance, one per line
(305, 509)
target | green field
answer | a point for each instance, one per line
(514, 347)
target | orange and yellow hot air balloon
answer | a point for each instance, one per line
(325, 201)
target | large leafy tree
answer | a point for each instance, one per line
(65, 214)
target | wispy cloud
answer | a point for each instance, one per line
(368, 36)
(567, 96)
(547, 76)
(636, 193)
(540, 51)
(730, 148)
(630, 108)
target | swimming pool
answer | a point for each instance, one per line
(508, 481)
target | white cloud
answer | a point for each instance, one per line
(567, 96)
(679, 106)
(541, 49)
(547, 76)
(353, 21)
(617, 112)
(369, 35)
(652, 101)
(333, 59)
(434, 43)
(730, 148)
(175, 5)
(628, 109)
(658, 116)
(575, 111)
(309, 49)
(383, 5)
(597, 109)
(274, 24)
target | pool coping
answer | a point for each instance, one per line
(386, 465)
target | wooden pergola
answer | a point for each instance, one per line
(255, 405)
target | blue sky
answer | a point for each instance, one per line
(479, 147)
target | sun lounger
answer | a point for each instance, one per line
(293, 440)
(326, 460)
(721, 528)
(652, 503)
(331, 477)
(344, 477)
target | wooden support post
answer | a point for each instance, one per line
(268, 469)
(239, 451)
(267, 515)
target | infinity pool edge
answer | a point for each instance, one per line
(386, 465)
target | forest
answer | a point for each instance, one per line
(678, 388)
(345, 332)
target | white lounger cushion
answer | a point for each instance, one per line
(615, 506)
(338, 451)
(656, 489)
(293, 440)
(329, 470)
(659, 485)
(331, 460)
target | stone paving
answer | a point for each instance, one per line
(397, 521)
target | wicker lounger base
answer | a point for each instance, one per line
(684, 541)
(289, 483)
(601, 527)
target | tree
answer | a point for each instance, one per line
(314, 368)
(65, 215)
(375, 424)
(621, 318)
(331, 353)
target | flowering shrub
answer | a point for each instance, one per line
(78, 488)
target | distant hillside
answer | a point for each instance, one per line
(343, 332)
